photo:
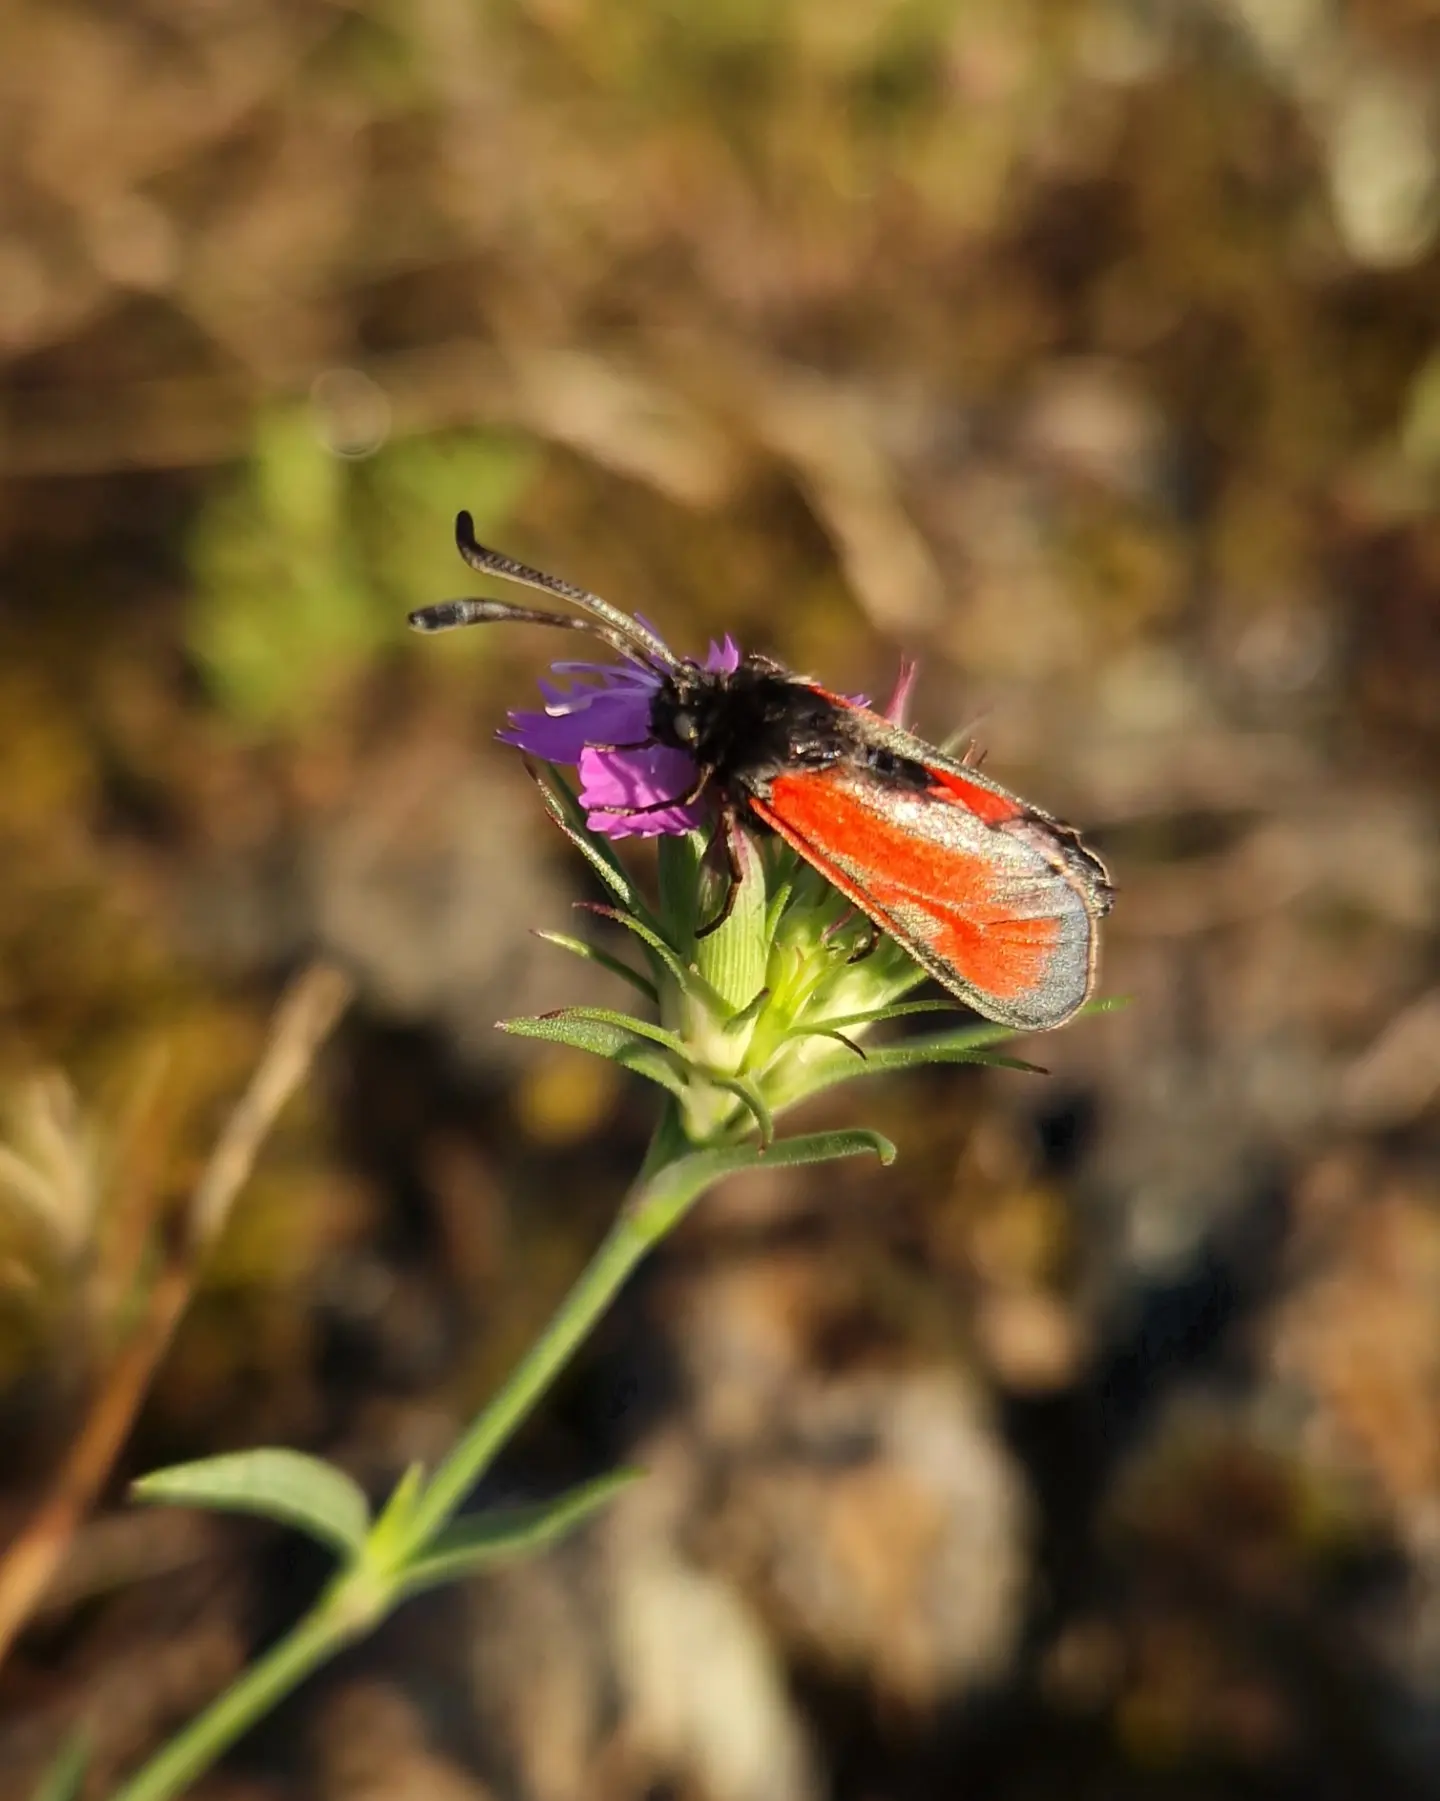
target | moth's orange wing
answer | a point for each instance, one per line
(993, 898)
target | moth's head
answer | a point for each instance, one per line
(686, 706)
(684, 726)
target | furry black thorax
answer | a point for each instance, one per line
(747, 725)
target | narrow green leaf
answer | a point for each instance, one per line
(476, 1542)
(779, 901)
(390, 1529)
(602, 1039)
(967, 1046)
(569, 815)
(748, 1091)
(654, 1064)
(618, 884)
(579, 1034)
(591, 953)
(850, 1044)
(875, 1016)
(977, 1037)
(65, 1772)
(746, 1017)
(300, 1491)
(625, 1022)
(675, 1187)
(687, 979)
(563, 804)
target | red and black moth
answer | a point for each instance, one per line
(999, 901)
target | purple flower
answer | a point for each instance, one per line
(609, 703)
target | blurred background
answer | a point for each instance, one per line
(1088, 350)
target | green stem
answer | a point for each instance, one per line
(362, 1596)
(330, 1625)
(634, 1232)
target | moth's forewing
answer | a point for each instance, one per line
(996, 899)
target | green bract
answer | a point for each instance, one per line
(751, 1019)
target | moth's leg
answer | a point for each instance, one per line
(702, 781)
(729, 830)
(867, 944)
(867, 947)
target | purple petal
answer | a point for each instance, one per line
(724, 658)
(599, 716)
(638, 778)
(608, 675)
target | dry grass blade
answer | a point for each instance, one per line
(49, 1168)
(306, 1013)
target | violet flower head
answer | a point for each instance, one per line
(609, 703)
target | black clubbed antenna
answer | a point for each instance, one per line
(606, 622)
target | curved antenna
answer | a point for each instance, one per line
(446, 615)
(625, 634)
